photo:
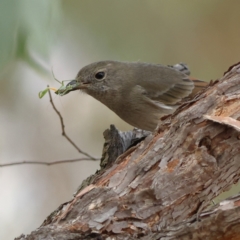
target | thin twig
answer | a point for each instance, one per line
(63, 129)
(46, 163)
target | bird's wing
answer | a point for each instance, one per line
(150, 104)
(172, 94)
(164, 84)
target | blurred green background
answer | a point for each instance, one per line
(67, 35)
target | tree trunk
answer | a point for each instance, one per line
(158, 187)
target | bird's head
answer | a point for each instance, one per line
(96, 78)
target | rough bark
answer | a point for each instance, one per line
(159, 188)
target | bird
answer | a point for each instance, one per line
(139, 93)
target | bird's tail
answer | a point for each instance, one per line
(199, 85)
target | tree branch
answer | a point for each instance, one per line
(63, 129)
(47, 163)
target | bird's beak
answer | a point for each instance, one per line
(71, 86)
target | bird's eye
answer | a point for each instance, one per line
(100, 75)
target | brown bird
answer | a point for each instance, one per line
(139, 93)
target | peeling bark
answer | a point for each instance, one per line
(159, 188)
